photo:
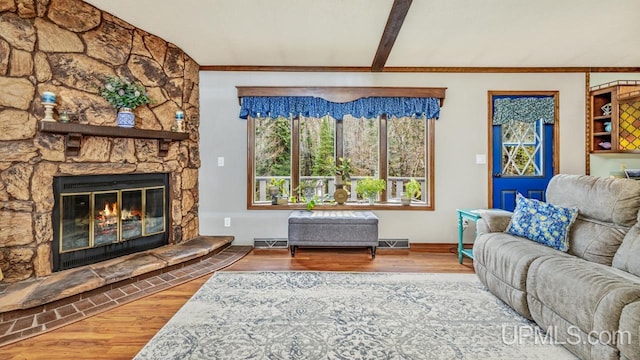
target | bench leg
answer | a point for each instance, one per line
(373, 251)
(293, 250)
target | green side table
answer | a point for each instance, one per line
(469, 214)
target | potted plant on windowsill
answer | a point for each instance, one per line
(369, 188)
(125, 96)
(412, 190)
(306, 193)
(342, 171)
(277, 190)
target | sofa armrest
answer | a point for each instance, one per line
(493, 220)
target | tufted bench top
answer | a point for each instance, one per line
(332, 217)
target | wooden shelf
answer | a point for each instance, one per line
(75, 132)
(623, 132)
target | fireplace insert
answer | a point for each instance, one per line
(100, 217)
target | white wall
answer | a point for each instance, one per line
(461, 133)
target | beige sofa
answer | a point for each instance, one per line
(589, 297)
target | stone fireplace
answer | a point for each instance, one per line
(97, 218)
(69, 47)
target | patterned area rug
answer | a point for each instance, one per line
(332, 315)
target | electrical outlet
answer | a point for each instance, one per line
(220, 160)
(227, 222)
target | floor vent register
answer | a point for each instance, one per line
(281, 243)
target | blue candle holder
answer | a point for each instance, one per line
(49, 102)
(48, 97)
(179, 118)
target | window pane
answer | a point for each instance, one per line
(361, 145)
(317, 154)
(407, 155)
(272, 153)
(521, 148)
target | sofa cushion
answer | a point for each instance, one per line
(542, 222)
(627, 257)
(588, 295)
(570, 336)
(607, 200)
(607, 209)
(629, 332)
(502, 260)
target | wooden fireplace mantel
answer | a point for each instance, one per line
(75, 132)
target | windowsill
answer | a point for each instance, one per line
(359, 206)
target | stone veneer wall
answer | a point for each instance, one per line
(69, 47)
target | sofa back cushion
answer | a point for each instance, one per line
(607, 210)
(627, 257)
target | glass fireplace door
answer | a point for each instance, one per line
(75, 222)
(154, 210)
(101, 217)
(131, 214)
(105, 218)
(96, 219)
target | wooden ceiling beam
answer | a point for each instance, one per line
(394, 23)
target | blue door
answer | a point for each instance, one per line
(522, 146)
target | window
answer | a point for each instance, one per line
(385, 133)
(395, 149)
(522, 148)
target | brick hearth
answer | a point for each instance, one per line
(52, 306)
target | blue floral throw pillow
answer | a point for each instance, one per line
(542, 222)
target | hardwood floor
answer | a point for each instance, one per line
(121, 332)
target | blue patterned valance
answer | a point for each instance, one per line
(369, 107)
(525, 109)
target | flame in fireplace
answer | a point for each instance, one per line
(110, 212)
(128, 214)
(107, 217)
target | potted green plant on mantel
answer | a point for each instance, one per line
(412, 190)
(369, 188)
(125, 96)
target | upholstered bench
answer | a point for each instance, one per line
(333, 229)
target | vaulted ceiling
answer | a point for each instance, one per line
(434, 33)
